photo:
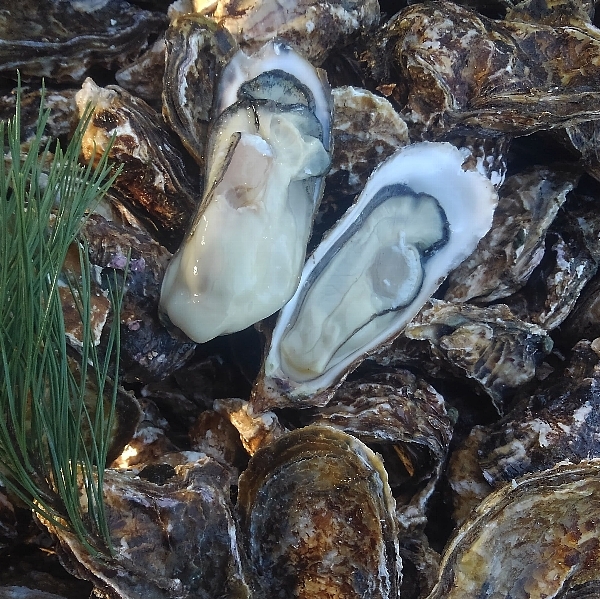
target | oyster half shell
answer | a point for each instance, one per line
(317, 514)
(267, 154)
(418, 217)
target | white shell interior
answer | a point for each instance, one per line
(355, 287)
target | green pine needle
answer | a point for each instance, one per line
(53, 440)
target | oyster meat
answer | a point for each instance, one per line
(418, 217)
(267, 154)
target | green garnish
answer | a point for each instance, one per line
(53, 440)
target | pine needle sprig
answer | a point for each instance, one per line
(56, 416)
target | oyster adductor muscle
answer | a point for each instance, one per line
(418, 217)
(316, 512)
(267, 154)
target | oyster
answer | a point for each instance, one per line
(488, 346)
(535, 537)
(314, 28)
(173, 532)
(418, 217)
(267, 154)
(317, 515)
(450, 67)
(366, 130)
(62, 39)
(196, 51)
(507, 255)
(155, 185)
(405, 419)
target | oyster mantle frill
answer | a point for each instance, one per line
(267, 153)
(419, 216)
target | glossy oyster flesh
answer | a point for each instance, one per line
(418, 217)
(267, 153)
(317, 514)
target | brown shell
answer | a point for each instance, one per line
(535, 537)
(406, 419)
(173, 533)
(489, 346)
(514, 246)
(317, 515)
(62, 40)
(197, 49)
(457, 68)
(154, 183)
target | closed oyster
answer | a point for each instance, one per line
(535, 537)
(488, 346)
(62, 39)
(173, 532)
(197, 49)
(317, 515)
(148, 352)
(405, 419)
(459, 69)
(418, 217)
(507, 255)
(267, 154)
(366, 130)
(154, 184)
(314, 28)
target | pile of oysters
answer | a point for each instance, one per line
(361, 331)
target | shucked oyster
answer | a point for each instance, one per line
(418, 217)
(266, 157)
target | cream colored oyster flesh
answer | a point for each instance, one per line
(266, 156)
(418, 217)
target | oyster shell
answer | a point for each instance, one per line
(317, 514)
(488, 346)
(197, 50)
(63, 39)
(148, 351)
(374, 271)
(451, 67)
(268, 152)
(405, 419)
(508, 254)
(155, 185)
(535, 537)
(366, 130)
(312, 28)
(174, 536)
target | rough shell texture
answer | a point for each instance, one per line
(148, 351)
(317, 513)
(313, 28)
(406, 419)
(155, 184)
(507, 255)
(536, 537)
(460, 69)
(175, 537)
(197, 49)
(488, 346)
(366, 130)
(62, 39)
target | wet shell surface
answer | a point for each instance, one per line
(317, 514)
(418, 217)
